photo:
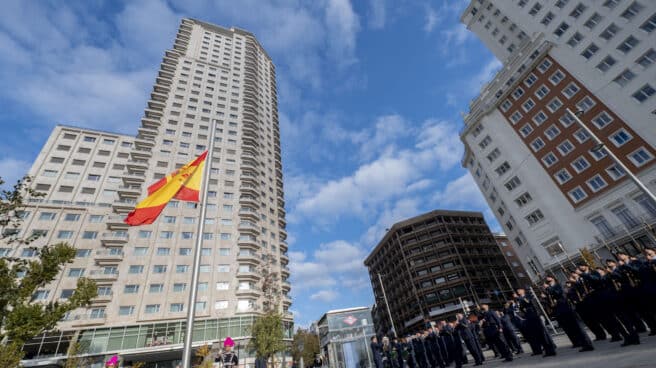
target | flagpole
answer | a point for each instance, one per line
(191, 305)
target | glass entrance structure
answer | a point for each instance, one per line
(345, 335)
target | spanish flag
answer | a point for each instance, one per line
(182, 184)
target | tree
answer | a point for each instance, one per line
(267, 336)
(310, 343)
(20, 318)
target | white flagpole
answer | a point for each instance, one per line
(191, 305)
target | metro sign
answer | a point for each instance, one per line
(350, 320)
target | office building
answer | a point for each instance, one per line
(520, 274)
(553, 191)
(433, 266)
(92, 179)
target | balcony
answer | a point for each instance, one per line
(88, 319)
(248, 227)
(138, 164)
(114, 238)
(139, 152)
(103, 275)
(284, 270)
(253, 276)
(249, 200)
(251, 258)
(286, 300)
(109, 256)
(133, 177)
(116, 222)
(103, 299)
(124, 204)
(248, 242)
(129, 191)
(284, 258)
(283, 246)
(249, 292)
(251, 189)
(286, 285)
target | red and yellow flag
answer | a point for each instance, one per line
(182, 184)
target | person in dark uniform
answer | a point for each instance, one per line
(434, 348)
(615, 309)
(629, 275)
(464, 332)
(397, 348)
(534, 326)
(566, 316)
(446, 337)
(492, 330)
(597, 296)
(647, 288)
(581, 297)
(409, 352)
(377, 352)
(475, 328)
(456, 350)
(420, 352)
(509, 334)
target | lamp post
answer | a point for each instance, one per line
(387, 304)
(600, 145)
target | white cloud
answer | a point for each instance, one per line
(432, 18)
(324, 295)
(12, 169)
(420, 185)
(400, 210)
(342, 25)
(462, 191)
(485, 75)
(377, 13)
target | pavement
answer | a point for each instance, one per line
(605, 355)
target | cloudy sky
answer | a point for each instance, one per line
(370, 92)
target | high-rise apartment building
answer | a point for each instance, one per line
(508, 251)
(433, 266)
(212, 76)
(551, 190)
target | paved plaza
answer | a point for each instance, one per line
(606, 355)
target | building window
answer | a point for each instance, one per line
(644, 93)
(632, 10)
(577, 194)
(624, 215)
(135, 269)
(542, 92)
(647, 204)
(590, 51)
(647, 58)
(535, 9)
(603, 226)
(581, 135)
(565, 148)
(592, 22)
(598, 154)
(577, 11)
(526, 130)
(152, 308)
(518, 93)
(506, 105)
(610, 32)
(562, 28)
(537, 144)
(563, 176)
(566, 120)
(649, 25)
(549, 159)
(156, 288)
(585, 104)
(602, 120)
(547, 19)
(615, 172)
(179, 287)
(620, 137)
(512, 183)
(627, 45)
(580, 164)
(534, 217)
(552, 132)
(596, 183)
(131, 289)
(554, 104)
(530, 80)
(624, 78)
(606, 63)
(544, 65)
(159, 269)
(556, 77)
(640, 156)
(528, 105)
(485, 142)
(503, 168)
(539, 118)
(515, 117)
(523, 199)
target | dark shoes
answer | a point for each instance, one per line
(586, 348)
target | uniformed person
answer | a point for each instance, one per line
(615, 309)
(464, 331)
(493, 331)
(420, 352)
(227, 357)
(584, 305)
(509, 334)
(566, 316)
(377, 352)
(534, 327)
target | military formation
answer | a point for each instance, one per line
(615, 302)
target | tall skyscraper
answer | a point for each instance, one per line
(550, 188)
(435, 265)
(92, 179)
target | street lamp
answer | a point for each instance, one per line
(380, 279)
(600, 145)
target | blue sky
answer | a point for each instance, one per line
(370, 92)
